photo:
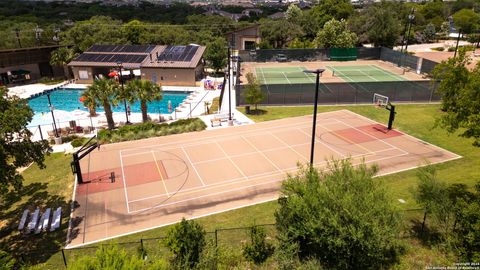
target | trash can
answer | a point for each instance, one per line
(247, 109)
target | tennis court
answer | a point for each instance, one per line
(160, 180)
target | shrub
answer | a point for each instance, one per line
(440, 49)
(258, 250)
(150, 129)
(6, 261)
(186, 240)
(78, 142)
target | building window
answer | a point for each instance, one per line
(161, 78)
(83, 74)
(154, 78)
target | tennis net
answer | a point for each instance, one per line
(350, 73)
(283, 75)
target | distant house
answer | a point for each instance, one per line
(166, 65)
(244, 38)
(27, 65)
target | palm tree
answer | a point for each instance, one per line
(104, 92)
(61, 57)
(145, 91)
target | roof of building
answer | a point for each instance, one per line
(137, 56)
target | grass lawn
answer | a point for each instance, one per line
(416, 120)
(48, 188)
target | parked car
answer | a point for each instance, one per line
(281, 57)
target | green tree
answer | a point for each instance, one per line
(186, 240)
(458, 87)
(144, 91)
(467, 230)
(279, 33)
(107, 257)
(253, 93)
(335, 34)
(429, 32)
(104, 92)
(16, 147)
(379, 23)
(61, 57)
(340, 216)
(96, 30)
(133, 31)
(294, 14)
(216, 54)
(466, 20)
(258, 250)
(444, 29)
(326, 10)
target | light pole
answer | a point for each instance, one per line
(411, 17)
(53, 116)
(458, 40)
(38, 34)
(119, 64)
(56, 38)
(230, 122)
(17, 34)
(317, 84)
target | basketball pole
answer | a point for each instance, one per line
(317, 84)
(391, 117)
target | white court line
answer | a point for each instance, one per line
(405, 134)
(289, 146)
(323, 143)
(250, 177)
(244, 187)
(261, 153)
(227, 136)
(289, 82)
(174, 145)
(124, 182)
(193, 166)
(375, 138)
(231, 161)
(160, 173)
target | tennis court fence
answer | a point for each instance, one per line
(397, 58)
(332, 93)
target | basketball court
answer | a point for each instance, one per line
(160, 180)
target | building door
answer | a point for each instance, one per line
(154, 78)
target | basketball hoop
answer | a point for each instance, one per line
(380, 101)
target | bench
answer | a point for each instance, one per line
(23, 220)
(223, 117)
(44, 221)
(33, 221)
(216, 122)
(56, 217)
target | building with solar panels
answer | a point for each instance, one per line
(165, 65)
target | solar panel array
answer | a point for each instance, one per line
(124, 58)
(178, 53)
(122, 48)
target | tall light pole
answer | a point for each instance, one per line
(458, 40)
(120, 78)
(38, 34)
(53, 116)
(317, 84)
(17, 34)
(411, 17)
(56, 38)
(230, 122)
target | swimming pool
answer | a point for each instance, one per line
(69, 100)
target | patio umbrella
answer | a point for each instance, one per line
(113, 74)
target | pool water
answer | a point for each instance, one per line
(69, 100)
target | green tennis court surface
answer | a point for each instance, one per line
(366, 73)
(283, 75)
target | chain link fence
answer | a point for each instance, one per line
(235, 238)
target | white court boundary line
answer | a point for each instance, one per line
(254, 176)
(124, 182)
(414, 139)
(255, 185)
